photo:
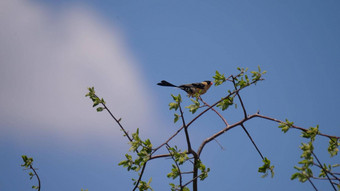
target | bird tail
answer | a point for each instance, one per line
(165, 83)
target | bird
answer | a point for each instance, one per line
(193, 89)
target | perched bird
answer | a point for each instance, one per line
(192, 89)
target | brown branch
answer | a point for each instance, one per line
(294, 126)
(167, 141)
(140, 176)
(117, 121)
(239, 97)
(227, 128)
(192, 180)
(160, 156)
(252, 141)
(206, 104)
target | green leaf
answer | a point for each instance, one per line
(175, 105)
(335, 165)
(219, 79)
(203, 169)
(96, 102)
(176, 117)
(174, 172)
(193, 107)
(266, 167)
(35, 187)
(333, 147)
(225, 103)
(311, 133)
(99, 109)
(302, 177)
(285, 126)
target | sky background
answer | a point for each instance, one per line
(51, 51)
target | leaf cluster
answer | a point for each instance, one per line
(311, 133)
(175, 187)
(285, 126)
(219, 79)
(333, 147)
(225, 103)
(143, 186)
(179, 158)
(305, 171)
(266, 167)
(96, 100)
(142, 156)
(203, 169)
(193, 107)
(28, 164)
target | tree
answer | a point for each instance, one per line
(143, 152)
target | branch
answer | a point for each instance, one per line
(118, 122)
(329, 172)
(312, 184)
(36, 174)
(160, 156)
(252, 140)
(245, 116)
(140, 176)
(185, 129)
(179, 170)
(323, 169)
(239, 97)
(294, 126)
(227, 128)
(223, 119)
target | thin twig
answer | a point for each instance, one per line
(179, 170)
(239, 97)
(319, 178)
(160, 156)
(219, 144)
(329, 172)
(293, 126)
(323, 169)
(252, 141)
(223, 119)
(117, 121)
(185, 129)
(140, 176)
(310, 181)
(36, 174)
(192, 180)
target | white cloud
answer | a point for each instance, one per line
(47, 62)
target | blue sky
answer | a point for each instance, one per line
(51, 51)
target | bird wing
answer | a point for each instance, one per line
(198, 85)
